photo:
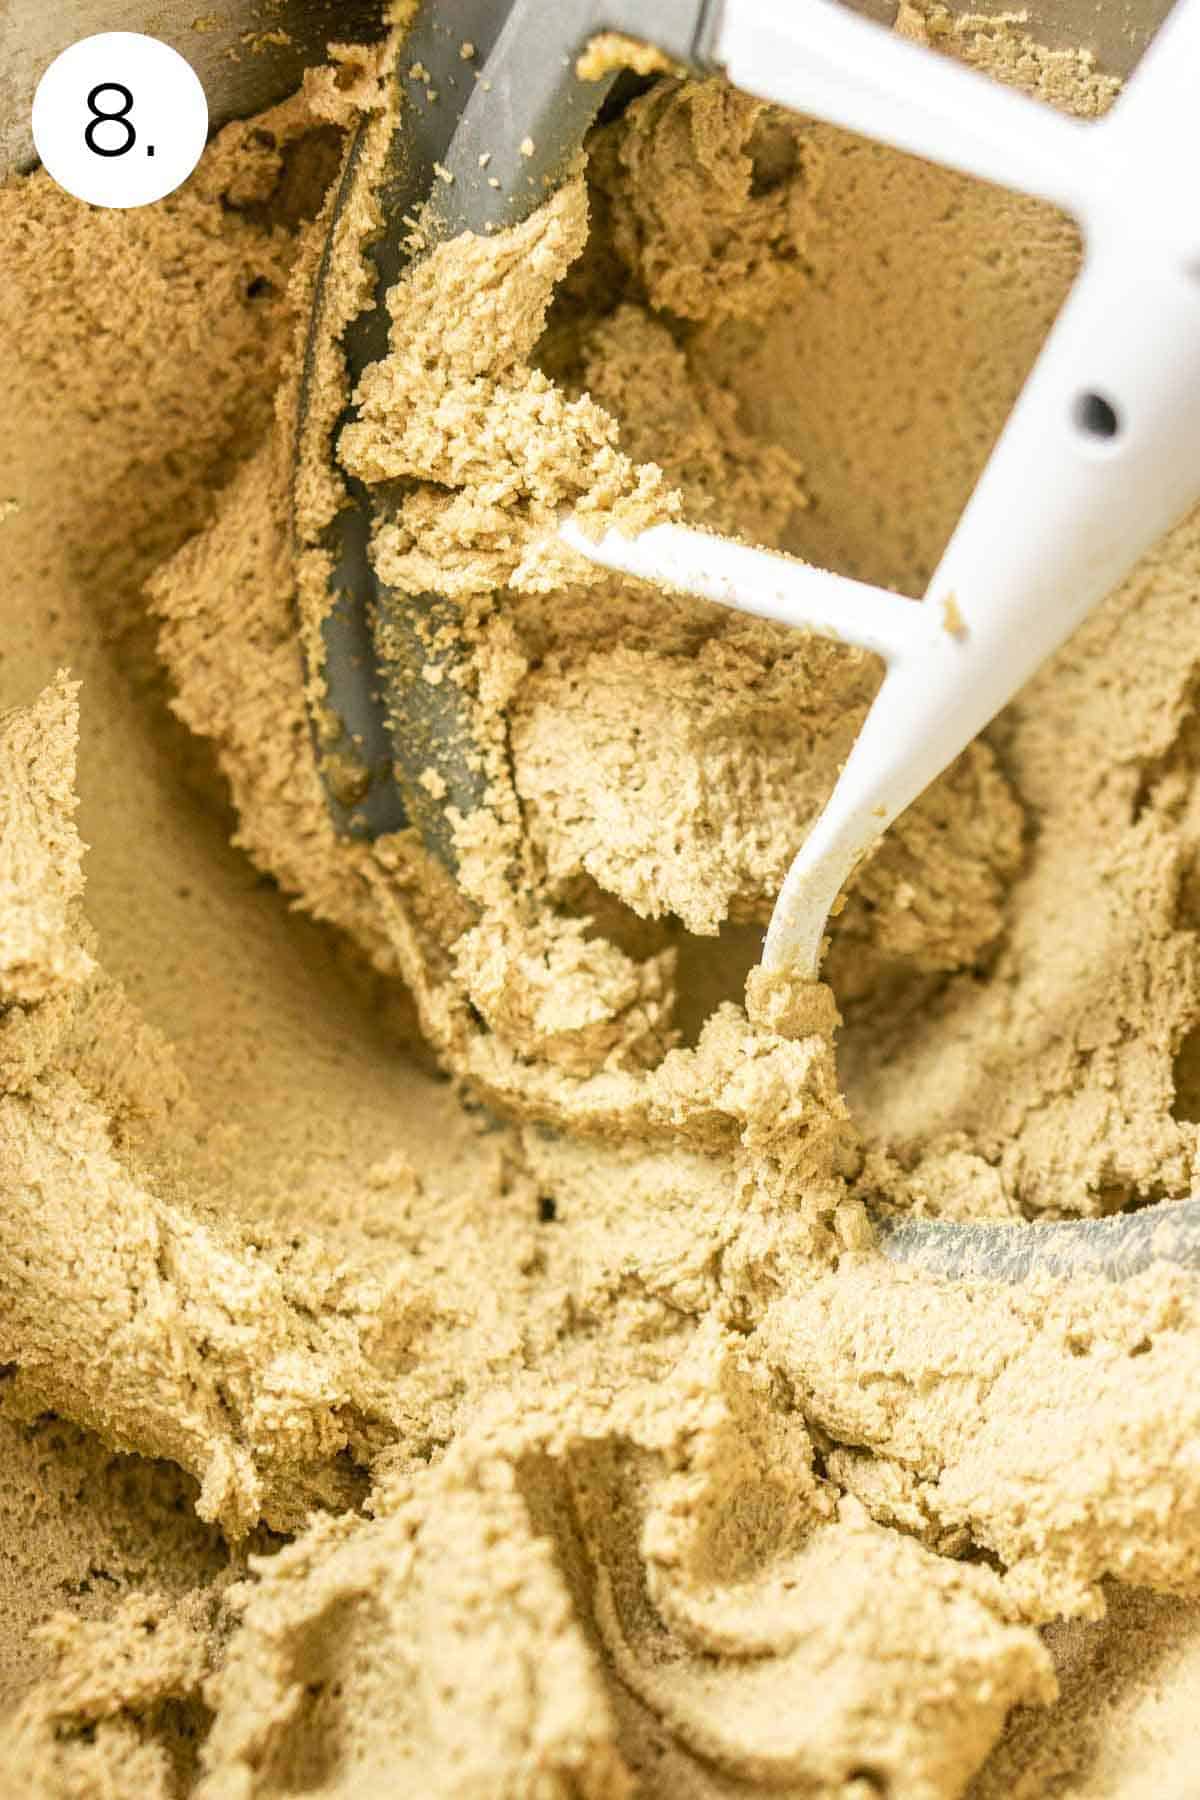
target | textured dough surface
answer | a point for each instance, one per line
(442, 1346)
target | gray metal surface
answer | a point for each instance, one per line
(394, 724)
(505, 140)
(247, 53)
(1114, 1248)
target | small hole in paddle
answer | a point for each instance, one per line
(1096, 418)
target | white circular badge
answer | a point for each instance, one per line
(120, 119)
